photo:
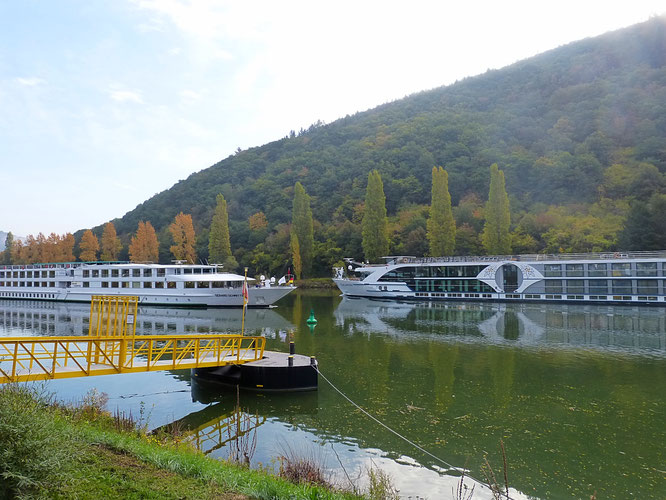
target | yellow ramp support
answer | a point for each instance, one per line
(25, 359)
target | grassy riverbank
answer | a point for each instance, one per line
(60, 451)
(316, 284)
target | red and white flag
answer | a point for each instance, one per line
(245, 292)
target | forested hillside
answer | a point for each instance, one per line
(579, 131)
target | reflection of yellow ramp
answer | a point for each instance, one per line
(112, 347)
(215, 434)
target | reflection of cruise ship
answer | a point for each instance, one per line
(638, 277)
(175, 285)
(545, 325)
(25, 317)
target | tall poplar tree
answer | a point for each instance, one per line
(441, 225)
(496, 237)
(302, 229)
(88, 246)
(375, 224)
(219, 243)
(182, 232)
(296, 256)
(9, 243)
(144, 246)
(111, 244)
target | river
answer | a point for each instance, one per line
(577, 393)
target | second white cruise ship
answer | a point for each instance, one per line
(637, 277)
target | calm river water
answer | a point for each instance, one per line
(576, 393)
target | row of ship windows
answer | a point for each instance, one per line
(106, 273)
(27, 274)
(649, 298)
(601, 270)
(27, 295)
(604, 287)
(122, 284)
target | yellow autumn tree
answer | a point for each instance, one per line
(89, 246)
(182, 232)
(65, 248)
(111, 244)
(50, 248)
(144, 246)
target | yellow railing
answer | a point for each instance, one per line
(42, 358)
(113, 316)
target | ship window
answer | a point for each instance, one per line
(550, 270)
(15, 274)
(125, 273)
(554, 286)
(136, 273)
(95, 273)
(621, 286)
(599, 287)
(575, 286)
(29, 283)
(399, 274)
(647, 287)
(105, 273)
(597, 270)
(574, 269)
(86, 273)
(125, 284)
(161, 273)
(147, 284)
(114, 284)
(52, 284)
(171, 284)
(159, 284)
(2, 274)
(207, 270)
(29, 274)
(105, 284)
(189, 284)
(136, 284)
(187, 270)
(218, 284)
(22, 274)
(114, 273)
(646, 269)
(621, 269)
(45, 284)
(203, 284)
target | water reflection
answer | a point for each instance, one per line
(575, 391)
(25, 318)
(617, 328)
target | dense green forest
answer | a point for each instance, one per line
(579, 132)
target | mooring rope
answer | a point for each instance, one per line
(407, 440)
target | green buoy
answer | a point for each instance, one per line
(311, 320)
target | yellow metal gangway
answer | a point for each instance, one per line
(113, 347)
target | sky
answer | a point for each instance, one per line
(105, 103)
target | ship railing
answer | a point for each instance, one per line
(29, 358)
(531, 257)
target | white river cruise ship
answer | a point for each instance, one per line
(627, 278)
(155, 284)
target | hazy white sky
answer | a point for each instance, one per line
(104, 104)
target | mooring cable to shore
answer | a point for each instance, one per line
(407, 440)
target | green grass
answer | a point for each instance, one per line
(52, 451)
